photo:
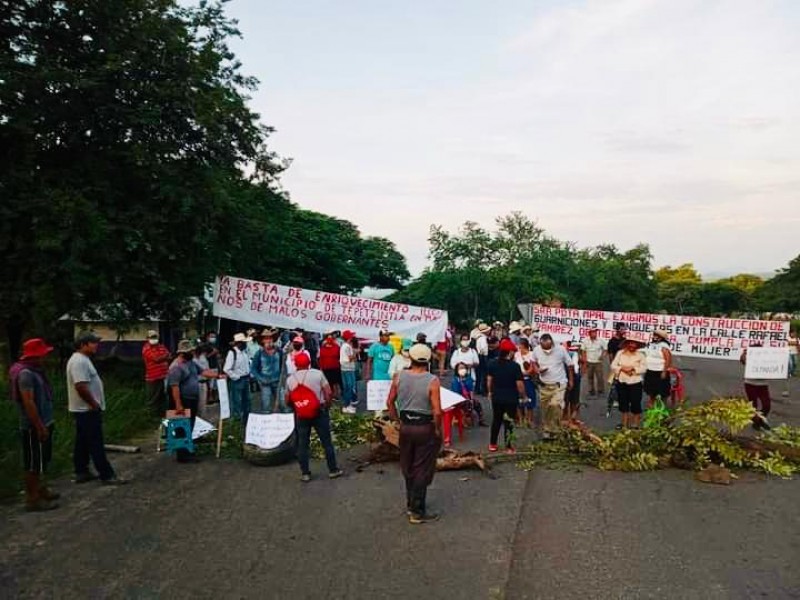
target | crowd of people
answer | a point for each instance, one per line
(519, 373)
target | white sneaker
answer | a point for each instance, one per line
(350, 410)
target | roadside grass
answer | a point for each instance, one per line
(126, 415)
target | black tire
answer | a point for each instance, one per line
(282, 454)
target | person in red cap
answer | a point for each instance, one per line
(33, 394)
(348, 360)
(505, 387)
(299, 385)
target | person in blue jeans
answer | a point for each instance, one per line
(266, 369)
(348, 359)
(313, 379)
(237, 368)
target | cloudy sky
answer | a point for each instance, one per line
(675, 122)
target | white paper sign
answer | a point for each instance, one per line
(201, 428)
(377, 394)
(268, 431)
(767, 363)
(449, 399)
(224, 401)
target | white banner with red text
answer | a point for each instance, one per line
(289, 307)
(704, 337)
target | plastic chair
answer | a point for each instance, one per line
(454, 414)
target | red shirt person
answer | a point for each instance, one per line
(156, 358)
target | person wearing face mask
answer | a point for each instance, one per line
(379, 356)
(329, 364)
(298, 347)
(554, 367)
(156, 359)
(266, 369)
(464, 384)
(466, 355)
(237, 368)
(402, 361)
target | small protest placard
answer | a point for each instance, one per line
(377, 394)
(767, 363)
(224, 400)
(201, 428)
(268, 431)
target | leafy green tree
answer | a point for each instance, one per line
(124, 130)
(685, 273)
(782, 292)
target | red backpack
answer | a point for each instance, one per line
(305, 401)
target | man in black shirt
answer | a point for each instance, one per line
(506, 387)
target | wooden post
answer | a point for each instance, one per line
(219, 436)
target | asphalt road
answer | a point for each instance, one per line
(228, 529)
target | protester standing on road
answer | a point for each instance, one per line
(629, 366)
(572, 403)
(379, 356)
(156, 359)
(212, 354)
(659, 362)
(32, 393)
(595, 351)
(312, 381)
(183, 380)
(348, 360)
(524, 358)
(414, 400)
(329, 364)
(506, 389)
(237, 368)
(252, 343)
(266, 368)
(201, 360)
(296, 348)
(87, 401)
(757, 391)
(554, 367)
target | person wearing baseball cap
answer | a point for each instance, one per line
(32, 393)
(379, 357)
(312, 381)
(87, 401)
(506, 389)
(296, 349)
(415, 400)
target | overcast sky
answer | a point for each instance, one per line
(675, 122)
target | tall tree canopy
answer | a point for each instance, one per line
(480, 273)
(125, 136)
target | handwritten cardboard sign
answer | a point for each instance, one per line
(224, 400)
(767, 363)
(377, 394)
(268, 431)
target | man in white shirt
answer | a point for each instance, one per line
(595, 351)
(237, 368)
(554, 366)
